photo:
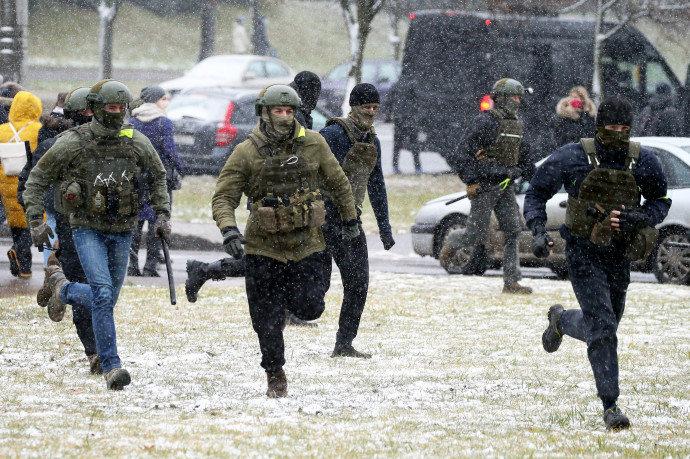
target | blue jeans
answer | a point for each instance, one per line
(104, 259)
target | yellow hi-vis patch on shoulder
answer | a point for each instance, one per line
(127, 133)
(302, 132)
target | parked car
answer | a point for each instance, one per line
(381, 73)
(232, 71)
(453, 59)
(209, 123)
(435, 220)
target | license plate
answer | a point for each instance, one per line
(183, 139)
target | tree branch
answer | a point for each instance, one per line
(574, 6)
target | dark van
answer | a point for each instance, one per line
(452, 59)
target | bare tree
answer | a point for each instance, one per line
(107, 12)
(209, 19)
(358, 15)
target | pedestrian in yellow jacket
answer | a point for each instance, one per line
(23, 125)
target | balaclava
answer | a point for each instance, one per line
(615, 110)
(362, 94)
(277, 128)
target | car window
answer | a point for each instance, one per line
(676, 171)
(368, 72)
(197, 106)
(338, 73)
(216, 68)
(621, 77)
(389, 72)
(319, 120)
(274, 70)
(256, 70)
(243, 113)
(655, 75)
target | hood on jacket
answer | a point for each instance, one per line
(25, 107)
(147, 112)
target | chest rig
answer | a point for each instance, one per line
(285, 194)
(360, 159)
(102, 177)
(506, 149)
(603, 190)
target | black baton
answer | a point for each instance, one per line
(168, 266)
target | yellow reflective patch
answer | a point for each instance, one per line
(302, 132)
(127, 133)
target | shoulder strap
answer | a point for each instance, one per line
(633, 156)
(345, 124)
(16, 137)
(591, 152)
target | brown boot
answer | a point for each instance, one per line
(117, 378)
(277, 384)
(95, 364)
(517, 288)
(445, 257)
(44, 293)
(347, 350)
(56, 279)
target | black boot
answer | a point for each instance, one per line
(198, 273)
(615, 419)
(20, 253)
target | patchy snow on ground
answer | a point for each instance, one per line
(458, 370)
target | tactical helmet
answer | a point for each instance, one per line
(277, 95)
(109, 92)
(76, 100)
(507, 87)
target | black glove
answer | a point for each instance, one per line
(162, 227)
(232, 241)
(350, 229)
(632, 220)
(388, 241)
(541, 241)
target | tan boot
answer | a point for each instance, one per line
(56, 279)
(445, 256)
(517, 288)
(277, 384)
(95, 364)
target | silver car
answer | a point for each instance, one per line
(670, 264)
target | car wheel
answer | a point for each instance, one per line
(467, 260)
(671, 265)
(560, 270)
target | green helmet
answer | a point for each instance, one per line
(276, 95)
(108, 92)
(76, 100)
(507, 87)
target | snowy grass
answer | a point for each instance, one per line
(458, 370)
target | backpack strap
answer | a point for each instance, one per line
(591, 152)
(15, 137)
(633, 156)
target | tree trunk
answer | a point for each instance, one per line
(598, 39)
(394, 37)
(209, 18)
(107, 11)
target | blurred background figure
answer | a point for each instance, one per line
(660, 117)
(8, 90)
(150, 119)
(405, 129)
(308, 87)
(575, 116)
(240, 39)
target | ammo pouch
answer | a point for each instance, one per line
(642, 243)
(304, 209)
(71, 197)
(357, 165)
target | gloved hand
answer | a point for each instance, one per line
(473, 191)
(232, 241)
(350, 229)
(40, 232)
(388, 241)
(628, 220)
(541, 241)
(162, 227)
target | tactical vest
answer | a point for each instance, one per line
(102, 180)
(506, 148)
(360, 159)
(284, 194)
(602, 191)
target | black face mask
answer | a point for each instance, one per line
(613, 140)
(80, 119)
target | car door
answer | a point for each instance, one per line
(255, 75)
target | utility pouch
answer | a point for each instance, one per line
(642, 243)
(317, 214)
(602, 232)
(98, 199)
(286, 219)
(71, 196)
(266, 216)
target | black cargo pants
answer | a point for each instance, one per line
(352, 258)
(600, 278)
(273, 287)
(71, 267)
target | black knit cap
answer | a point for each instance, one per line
(364, 93)
(308, 86)
(615, 110)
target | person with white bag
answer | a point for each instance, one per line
(23, 125)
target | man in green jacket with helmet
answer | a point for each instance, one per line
(493, 155)
(97, 166)
(279, 169)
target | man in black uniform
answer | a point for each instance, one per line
(493, 155)
(606, 228)
(308, 87)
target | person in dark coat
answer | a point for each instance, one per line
(575, 116)
(660, 118)
(149, 119)
(405, 128)
(308, 87)
(599, 240)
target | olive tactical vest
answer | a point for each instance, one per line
(506, 149)
(360, 159)
(602, 191)
(102, 181)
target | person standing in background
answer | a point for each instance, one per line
(240, 39)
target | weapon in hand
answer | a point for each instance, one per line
(168, 266)
(500, 187)
(680, 245)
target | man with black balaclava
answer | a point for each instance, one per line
(354, 143)
(308, 87)
(605, 229)
(491, 158)
(98, 165)
(279, 168)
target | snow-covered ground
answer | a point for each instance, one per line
(458, 370)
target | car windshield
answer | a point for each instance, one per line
(198, 106)
(218, 68)
(340, 72)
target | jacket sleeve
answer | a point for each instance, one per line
(42, 148)
(545, 183)
(151, 163)
(653, 187)
(231, 183)
(378, 195)
(336, 183)
(168, 143)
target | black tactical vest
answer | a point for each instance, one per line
(506, 149)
